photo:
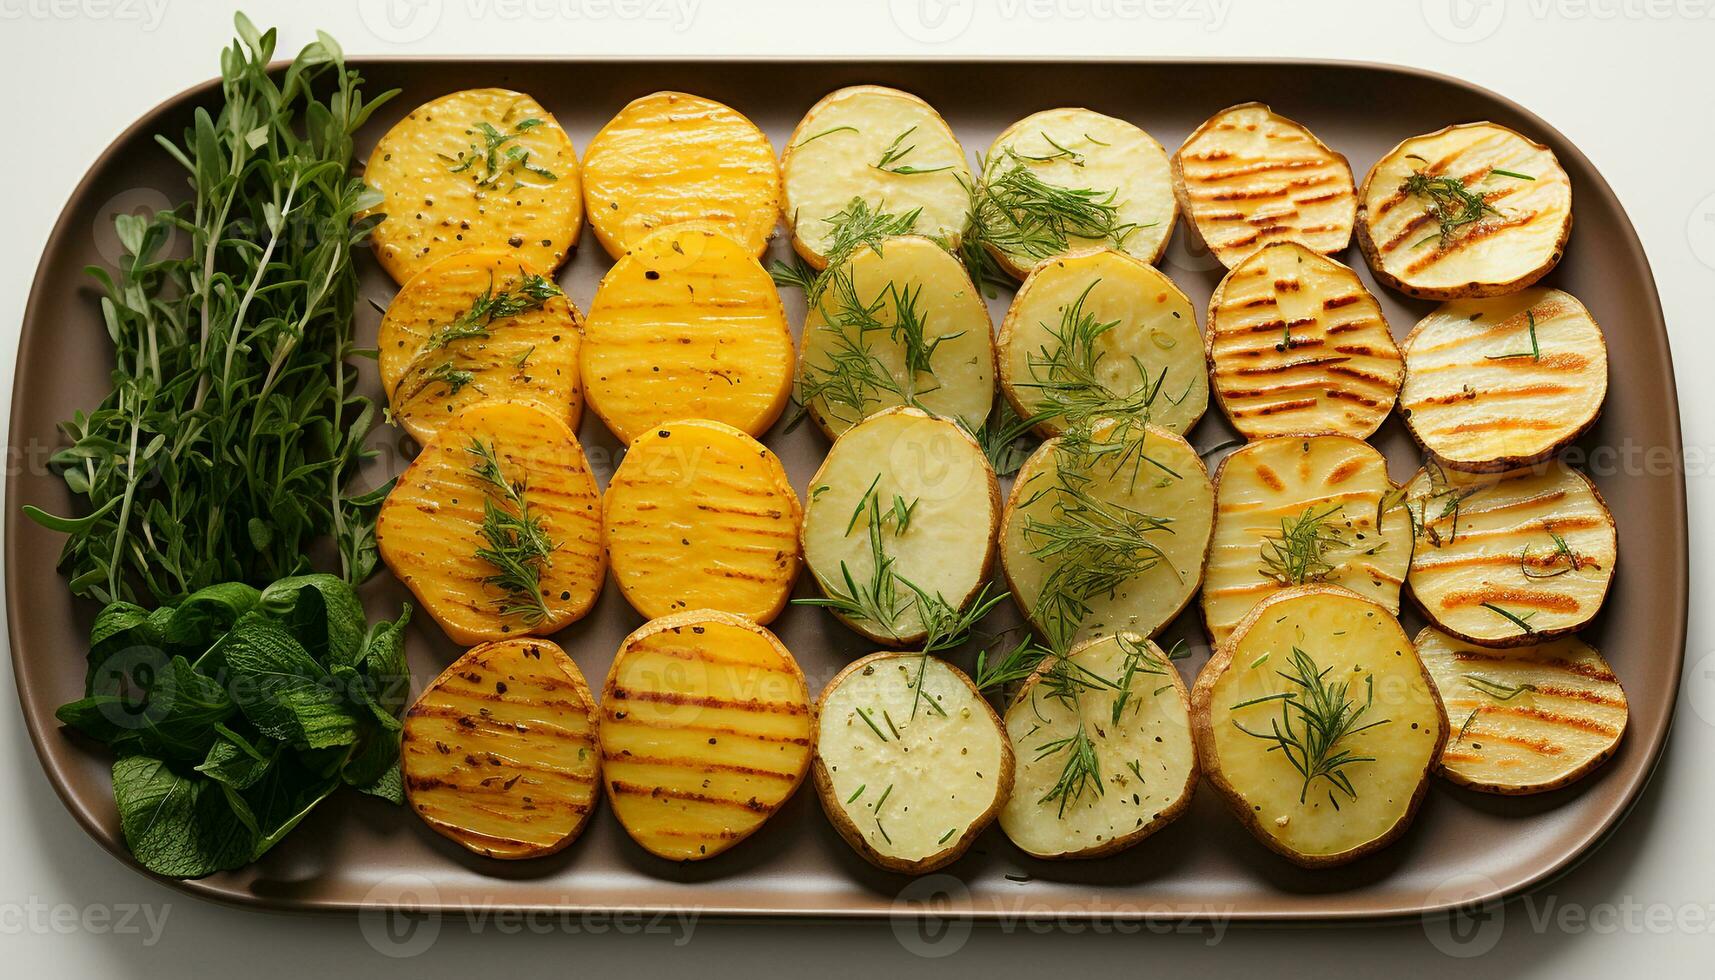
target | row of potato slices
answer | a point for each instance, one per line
(705, 729)
(688, 325)
(1470, 210)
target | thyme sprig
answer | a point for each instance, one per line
(1316, 716)
(233, 424)
(498, 155)
(530, 293)
(518, 546)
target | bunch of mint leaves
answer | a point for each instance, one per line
(236, 711)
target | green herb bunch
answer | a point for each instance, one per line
(233, 426)
(236, 711)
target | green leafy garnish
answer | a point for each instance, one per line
(518, 547)
(1315, 717)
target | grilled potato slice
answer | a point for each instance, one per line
(448, 509)
(1298, 346)
(877, 319)
(671, 158)
(1494, 384)
(1509, 560)
(1524, 721)
(701, 516)
(1292, 511)
(687, 325)
(1138, 722)
(482, 168)
(909, 769)
(1107, 532)
(499, 752)
(886, 148)
(1318, 724)
(921, 490)
(1470, 210)
(1250, 177)
(1096, 332)
(479, 326)
(705, 732)
(1080, 149)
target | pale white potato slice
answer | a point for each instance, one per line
(882, 315)
(1139, 725)
(1097, 332)
(1107, 532)
(1319, 658)
(887, 148)
(919, 489)
(1298, 346)
(1527, 720)
(1509, 560)
(911, 762)
(1470, 210)
(1079, 149)
(1493, 384)
(1302, 511)
(1249, 177)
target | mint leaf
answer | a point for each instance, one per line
(174, 825)
(383, 662)
(208, 613)
(234, 761)
(284, 692)
(323, 611)
(172, 713)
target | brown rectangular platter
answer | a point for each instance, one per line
(357, 849)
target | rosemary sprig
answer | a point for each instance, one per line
(518, 546)
(879, 600)
(1451, 499)
(826, 132)
(1066, 375)
(1522, 622)
(1003, 436)
(1018, 213)
(1300, 552)
(1082, 769)
(449, 374)
(1315, 717)
(1561, 552)
(1497, 690)
(1138, 659)
(944, 628)
(899, 150)
(857, 225)
(497, 155)
(1535, 352)
(1010, 668)
(529, 294)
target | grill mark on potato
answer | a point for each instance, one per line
(706, 701)
(623, 788)
(1592, 671)
(716, 730)
(1590, 725)
(699, 765)
(1545, 601)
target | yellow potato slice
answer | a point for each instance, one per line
(1249, 177)
(479, 326)
(705, 732)
(1523, 196)
(1528, 720)
(1292, 511)
(432, 529)
(499, 752)
(671, 158)
(1107, 534)
(1138, 721)
(687, 325)
(482, 168)
(1298, 346)
(886, 148)
(910, 769)
(1494, 384)
(878, 319)
(1318, 724)
(920, 489)
(701, 516)
(1096, 332)
(1084, 150)
(1509, 560)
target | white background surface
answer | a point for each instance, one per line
(1629, 81)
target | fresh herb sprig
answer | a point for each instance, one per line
(1300, 553)
(234, 424)
(496, 154)
(1016, 212)
(1316, 716)
(518, 546)
(529, 293)
(897, 151)
(1452, 203)
(1067, 377)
